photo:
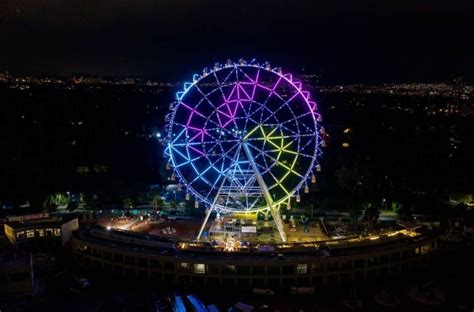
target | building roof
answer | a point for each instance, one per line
(110, 240)
(9, 260)
(42, 222)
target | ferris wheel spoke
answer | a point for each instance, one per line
(278, 184)
(292, 136)
(288, 129)
(264, 151)
(208, 119)
(189, 161)
(276, 160)
(271, 92)
(214, 186)
(285, 166)
(211, 164)
(227, 77)
(253, 81)
(205, 96)
(297, 117)
(275, 179)
(192, 110)
(216, 109)
(255, 112)
(179, 152)
(200, 175)
(279, 150)
(309, 142)
(282, 149)
(285, 104)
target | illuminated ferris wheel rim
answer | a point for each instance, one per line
(287, 78)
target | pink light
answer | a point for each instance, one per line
(196, 150)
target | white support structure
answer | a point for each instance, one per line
(247, 187)
(266, 194)
(209, 210)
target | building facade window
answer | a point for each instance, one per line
(184, 266)
(30, 233)
(302, 268)
(425, 249)
(199, 268)
(317, 267)
(57, 232)
(230, 268)
(40, 232)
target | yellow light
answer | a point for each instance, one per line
(345, 145)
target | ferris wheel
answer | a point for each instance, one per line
(243, 137)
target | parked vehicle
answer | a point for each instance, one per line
(82, 281)
(196, 304)
(301, 290)
(263, 291)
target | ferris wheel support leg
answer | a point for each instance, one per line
(266, 194)
(203, 226)
(209, 211)
(278, 222)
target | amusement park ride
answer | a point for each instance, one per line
(243, 138)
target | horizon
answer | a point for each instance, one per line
(321, 81)
(344, 42)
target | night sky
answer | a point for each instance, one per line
(345, 40)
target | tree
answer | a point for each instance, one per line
(48, 205)
(157, 201)
(60, 199)
(154, 197)
(127, 199)
(460, 209)
(343, 178)
(355, 211)
(72, 206)
(402, 210)
(55, 201)
(371, 213)
(127, 202)
(143, 198)
(88, 200)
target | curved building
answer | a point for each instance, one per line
(141, 256)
